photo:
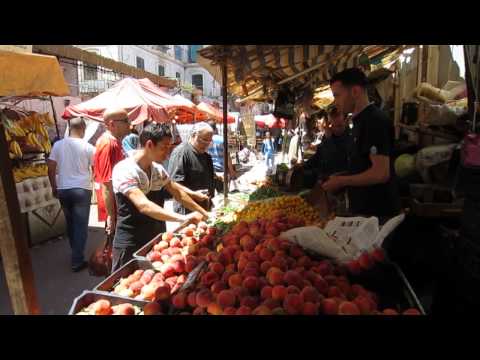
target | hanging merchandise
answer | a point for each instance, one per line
(471, 143)
(284, 104)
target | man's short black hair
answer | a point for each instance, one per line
(351, 77)
(155, 132)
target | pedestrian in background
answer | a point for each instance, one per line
(108, 153)
(69, 171)
(268, 150)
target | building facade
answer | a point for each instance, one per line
(172, 61)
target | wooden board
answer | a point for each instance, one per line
(13, 242)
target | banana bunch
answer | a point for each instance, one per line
(33, 141)
(46, 119)
(47, 147)
(28, 172)
(8, 136)
(15, 129)
(15, 150)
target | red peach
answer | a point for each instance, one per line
(292, 289)
(266, 292)
(192, 299)
(249, 301)
(226, 298)
(272, 303)
(279, 262)
(214, 309)
(262, 310)
(293, 304)
(209, 278)
(162, 292)
(218, 286)
(230, 311)
(250, 272)
(329, 307)
(217, 268)
(235, 280)
(279, 292)
(204, 298)
(363, 304)
(310, 294)
(250, 283)
(293, 278)
(244, 310)
(310, 309)
(179, 300)
(390, 312)
(265, 266)
(348, 308)
(275, 276)
(240, 292)
(199, 311)
(411, 312)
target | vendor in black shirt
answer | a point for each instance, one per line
(371, 183)
(331, 155)
(137, 182)
(192, 166)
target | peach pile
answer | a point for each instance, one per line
(174, 259)
(104, 307)
(176, 255)
(255, 272)
(366, 261)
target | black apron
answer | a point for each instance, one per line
(133, 228)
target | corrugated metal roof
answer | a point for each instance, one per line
(255, 70)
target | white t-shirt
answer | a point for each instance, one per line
(74, 158)
(128, 175)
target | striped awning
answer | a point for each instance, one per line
(256, 70)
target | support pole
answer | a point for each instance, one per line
(55, 118)
(225, 132)
(13, 243)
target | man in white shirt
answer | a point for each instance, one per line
(69, 171)
(137, 184)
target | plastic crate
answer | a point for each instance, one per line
(111, 281)
(88, 297)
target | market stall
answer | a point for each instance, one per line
(143, 101)
(255, 259)
(24, 145)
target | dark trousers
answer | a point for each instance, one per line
(120, 256)
(76, 207)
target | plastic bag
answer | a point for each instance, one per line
(344, 238)
(100, 263)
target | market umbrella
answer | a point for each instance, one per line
(189, 116)
(142, 99)
(214, 113)
(31, 75)
(270, 121)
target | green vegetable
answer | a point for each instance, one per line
(263, 193)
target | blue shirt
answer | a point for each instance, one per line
(216, 152)
(268, 147)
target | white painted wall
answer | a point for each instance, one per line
(153, 58)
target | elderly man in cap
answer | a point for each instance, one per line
(108, 153)
(192, 166)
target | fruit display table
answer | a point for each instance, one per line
(247, 268)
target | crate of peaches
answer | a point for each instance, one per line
(186, 240)
(256, 272)
(95, 303)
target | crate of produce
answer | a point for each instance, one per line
(84, 305)
(178, 238)
(109, 284)
(388, 281)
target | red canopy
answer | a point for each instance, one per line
(142, 99)
(214, 113)
(270, 121)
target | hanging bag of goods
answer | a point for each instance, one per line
(100, 263)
